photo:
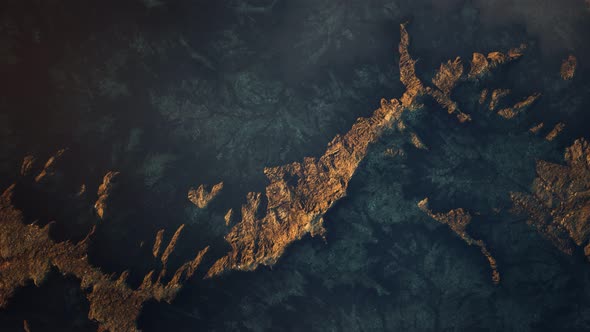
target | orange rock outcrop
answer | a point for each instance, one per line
(568, 67)
(559, 206)
(201, 197)
(457, 220)
(27, 253)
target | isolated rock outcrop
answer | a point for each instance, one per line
(27, 165)
(535, 129)
(49, 167)
(568, 67)
(458, 220)
(104, 191)
(496, 96)
(557, 129)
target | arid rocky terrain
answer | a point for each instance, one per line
(269, 165)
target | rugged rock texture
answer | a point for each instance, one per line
(201, 196)
(450, 74)
(568, 67)
(170, 248)
(228, 216)
(445, 80)
(417, 142)
(201, 96)
(482, 65)
(511, 112)
(558, 128)
(507, 112)
(298, 195)
(497, 94)
(104, 190)
(559, 206)
(414, 86)
(27, 165)
(49, 168)
(483, 96)
(295, 200)
(535, 129)
(458, 220)
(158, 243)
(27, 253)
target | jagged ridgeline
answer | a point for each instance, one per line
(300, 194)
(297, 197)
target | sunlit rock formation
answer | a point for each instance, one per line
(104, 190)
(482, 65)
(27, 253)
(27, 165)
(519, 107)
(299, 194)
(458, 220)
(568, 67)
(228, 216)
(171, 245)
(445, 81)
(49, 168)
(407, 72)
(394, 152)
(417, 142)
(158, 243)
(497, 94)
(535, 129)
(507, 112)
(557, 129)
(483, 96)
(201, 197)
(450, 74)
(82, 190)
(292, 206)
(559, 205)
